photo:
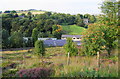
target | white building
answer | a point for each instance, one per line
(74, 37)
(26, 39)
(86, 21)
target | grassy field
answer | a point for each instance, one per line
(25, 12)
(33, 12)
(56, 59)
(73, 29)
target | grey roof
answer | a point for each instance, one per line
(21, 16)
(78, 36)
(54, 42)
(47, 38)
(57, 42)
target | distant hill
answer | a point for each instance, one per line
(73, 29)
(32, 11)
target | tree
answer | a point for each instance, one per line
(92, 19)
(57, 31)
(13, 12)
(23, 14)
(110, 9)
(29, 14)
(35, 34)
(48, 13)
(7, 24)
(99, 37)
(71, 47)
(102, 35)
(41, 16)
(80, 16)
(87, 15)
(41, 35)
(5, 40)
(70, 19)
(7, 12)
(40, 25)
(80, 22)
(48, 25)
(16, 39)
(39, 48)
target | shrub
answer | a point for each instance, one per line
(36, 72)
(39, 48)
(34, 34)
(71, 47)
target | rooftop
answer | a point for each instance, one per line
(57, 42)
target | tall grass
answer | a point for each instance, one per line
(80, 66)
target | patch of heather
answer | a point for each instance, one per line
(36, 72)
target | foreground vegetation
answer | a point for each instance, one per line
(55, 59)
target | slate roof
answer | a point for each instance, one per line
(77, 36)
(57, 42)
(47, 38)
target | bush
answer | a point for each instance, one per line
(35, 34)
(36, 72)
(39, 48)
(71, 47)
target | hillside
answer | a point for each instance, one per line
(73, 29)
(19, 12)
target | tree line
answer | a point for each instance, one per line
(16, 26)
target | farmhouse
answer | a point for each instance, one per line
(57, 42)
(86, 21)
(26, 39)
(74, 37)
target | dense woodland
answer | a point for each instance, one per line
(15, 26)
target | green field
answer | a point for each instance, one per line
(33, 12)
(73, 29)
(25, 12)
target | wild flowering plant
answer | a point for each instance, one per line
(36, 72)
